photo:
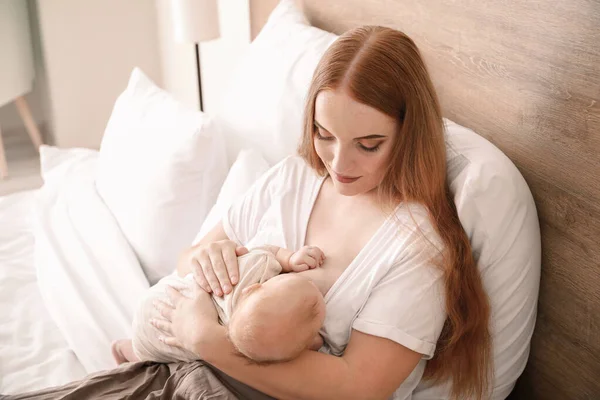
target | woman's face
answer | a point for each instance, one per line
(353, 140)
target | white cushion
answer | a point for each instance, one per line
(248, 167)
(159, 171)
(497, 210)
(55, 161)
(263, 104)
(264, 109)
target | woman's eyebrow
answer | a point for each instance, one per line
(371, 137)
(358, 138)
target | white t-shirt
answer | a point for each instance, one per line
(391, 289)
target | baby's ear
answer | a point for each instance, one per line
(251, 287)
(316, 343)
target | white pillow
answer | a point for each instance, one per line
(263, 105)
(248, 167)
(264, 109)
(497, 210)
(159, 171)
(55, 161)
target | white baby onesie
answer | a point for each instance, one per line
(257, 266)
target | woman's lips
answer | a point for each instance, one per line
(345, 179)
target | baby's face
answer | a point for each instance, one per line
(278, 319)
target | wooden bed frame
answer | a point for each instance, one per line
(525, 75)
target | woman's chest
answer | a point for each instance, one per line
(341, 231)
(351, 237)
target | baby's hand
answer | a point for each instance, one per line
(308, 257)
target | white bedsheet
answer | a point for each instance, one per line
(33, 352)
(69, 281)
(88, 274)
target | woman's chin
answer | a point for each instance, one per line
(347, 189)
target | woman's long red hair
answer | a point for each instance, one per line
(382, 68)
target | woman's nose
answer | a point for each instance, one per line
(342, 161)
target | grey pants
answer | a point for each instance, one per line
(147, 380)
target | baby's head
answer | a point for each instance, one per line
(277, 320)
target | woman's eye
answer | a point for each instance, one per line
(321, 137)
(370, 149)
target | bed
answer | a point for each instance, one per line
(525, 76)
(34, 352)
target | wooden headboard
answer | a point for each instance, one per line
(525, 75)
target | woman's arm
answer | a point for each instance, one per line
(281, 255)
(371, 368)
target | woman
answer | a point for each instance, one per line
(370, 190)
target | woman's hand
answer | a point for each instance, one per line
(188, 320)
(214, 265)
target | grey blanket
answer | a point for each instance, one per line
(147, 380)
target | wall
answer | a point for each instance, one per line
(89, 48)
(259, 13)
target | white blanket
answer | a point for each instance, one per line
(33, 352)
(88, 275)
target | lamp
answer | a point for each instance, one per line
(195, 21)
(16, 68)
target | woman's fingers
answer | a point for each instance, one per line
(231, 263)
(220, 271)
(171, 341)
(164, 309)
(174, 295)
(241, 250)
(199, 276)
(215, 266)
(209, 274)
(162, 325)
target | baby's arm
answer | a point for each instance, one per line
(282, 255)
(308, 257)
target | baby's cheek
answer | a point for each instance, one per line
(236, 334)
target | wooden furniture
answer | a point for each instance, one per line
(526, 75)
(16, 68)
(32, 130)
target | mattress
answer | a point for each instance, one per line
(33, 352)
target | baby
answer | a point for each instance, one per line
(271, 317)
